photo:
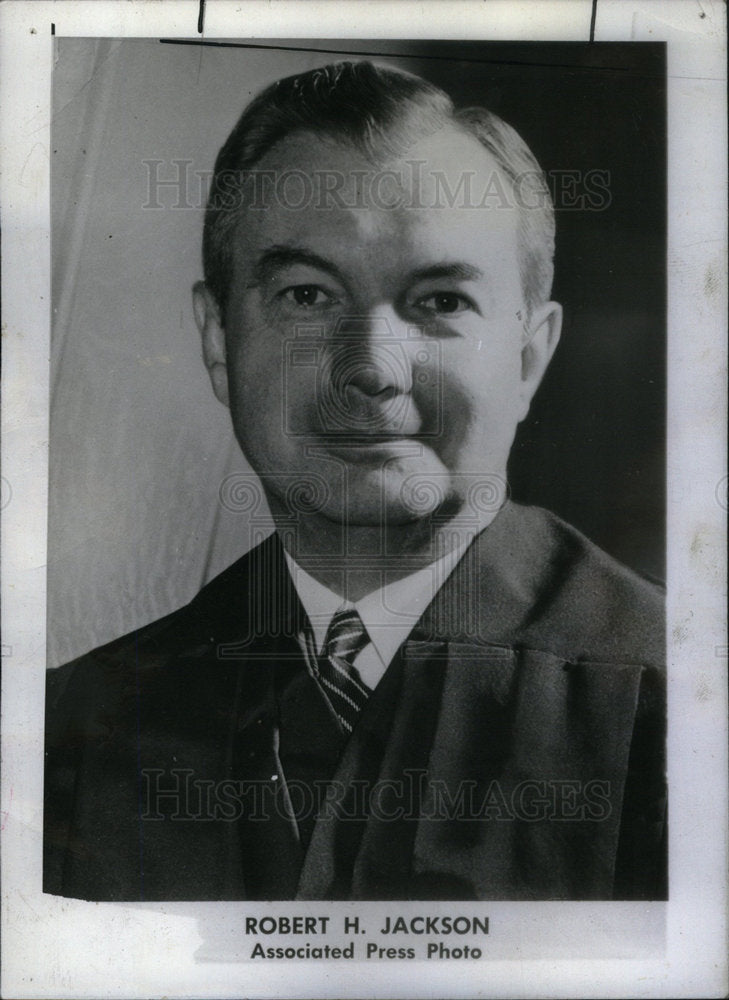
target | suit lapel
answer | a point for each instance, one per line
(271, 851)
(268, 835)
(243, 630)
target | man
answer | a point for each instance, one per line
(415, 688)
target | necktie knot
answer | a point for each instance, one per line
(346, 638)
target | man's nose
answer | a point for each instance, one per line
(370, 355)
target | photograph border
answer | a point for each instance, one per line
(156, 947)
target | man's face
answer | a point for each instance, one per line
(375, 355)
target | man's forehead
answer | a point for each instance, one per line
(440, 162)
(446, 194)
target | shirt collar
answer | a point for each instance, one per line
(389, 613)
(319, 602)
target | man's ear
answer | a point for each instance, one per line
(541, 339)
(207, 317)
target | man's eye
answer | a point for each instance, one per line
(444, 303)
(307, 296)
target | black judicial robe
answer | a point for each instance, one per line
(513, 750)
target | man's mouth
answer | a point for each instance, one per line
(366, 438)
(374, 447)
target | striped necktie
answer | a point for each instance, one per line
(347, 693)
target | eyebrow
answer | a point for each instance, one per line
(276, 258)
(459, 271)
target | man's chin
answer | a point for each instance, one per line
(391, 511)
(404, 490)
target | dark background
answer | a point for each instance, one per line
(593, 447)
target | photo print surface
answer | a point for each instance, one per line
(357, 472)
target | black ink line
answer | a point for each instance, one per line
(53, 28)
(593, 18)
(201, 18)
(397, 55)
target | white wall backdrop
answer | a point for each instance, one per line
(139, 446)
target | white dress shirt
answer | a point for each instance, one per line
(389, 614)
